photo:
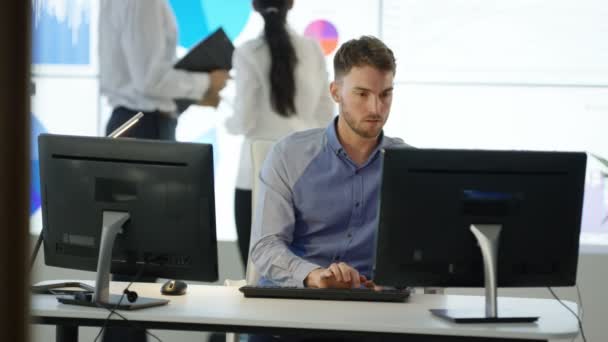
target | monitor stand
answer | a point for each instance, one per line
(487, 236)
(111, 226)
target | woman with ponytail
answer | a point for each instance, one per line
(281, 86)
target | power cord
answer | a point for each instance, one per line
(133, 325)
(581, 309)
(113, 311)
(36, 249)
(580, 323)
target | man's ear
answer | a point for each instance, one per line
(334, 90)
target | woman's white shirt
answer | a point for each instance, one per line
(253, 114)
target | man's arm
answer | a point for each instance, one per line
(273, 225)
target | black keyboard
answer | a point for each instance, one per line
(360, 294)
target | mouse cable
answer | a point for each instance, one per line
(114, 312)
(580, 323)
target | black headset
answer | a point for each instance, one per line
(84, 296)
(131, 295)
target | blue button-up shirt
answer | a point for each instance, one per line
(315, 206)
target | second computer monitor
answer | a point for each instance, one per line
(430, 199)
(165, 188)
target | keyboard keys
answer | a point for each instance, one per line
(355, 294)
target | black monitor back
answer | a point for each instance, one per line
(429, 199)
(166, 187)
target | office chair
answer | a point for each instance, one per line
(259, 150)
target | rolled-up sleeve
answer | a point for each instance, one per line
(273, 226)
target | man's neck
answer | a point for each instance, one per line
(357, 147)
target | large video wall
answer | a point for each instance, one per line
(509, 74)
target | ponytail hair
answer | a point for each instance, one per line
(282, 54)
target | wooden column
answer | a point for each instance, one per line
(14, 168)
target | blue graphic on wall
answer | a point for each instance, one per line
(196, 19)
(61, 31)
(35, 198)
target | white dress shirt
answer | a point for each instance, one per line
(254, 116)
(137, 43)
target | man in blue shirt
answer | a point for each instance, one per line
(317, 205)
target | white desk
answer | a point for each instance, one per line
(220, 308)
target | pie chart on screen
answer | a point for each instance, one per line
(325, 33)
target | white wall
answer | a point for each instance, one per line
(592, 280)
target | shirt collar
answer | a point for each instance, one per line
(336, 146)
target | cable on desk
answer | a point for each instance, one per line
(114, 312)
(581, 311)
(133, 325)
(580, 323)
(36, 249)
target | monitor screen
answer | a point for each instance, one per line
(167, 189)
(430, 199)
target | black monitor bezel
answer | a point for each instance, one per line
(398, 161)
(195, 159)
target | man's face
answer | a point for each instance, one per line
(364, 96)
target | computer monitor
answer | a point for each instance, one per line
(133, 206)
(440, 210)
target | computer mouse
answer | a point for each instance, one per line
(174, 288)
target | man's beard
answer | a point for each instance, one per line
(360, 132)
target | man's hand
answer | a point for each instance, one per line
(217, 82)
(337, 275)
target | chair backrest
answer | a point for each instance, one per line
(259, 150)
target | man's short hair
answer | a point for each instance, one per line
(366, 50)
